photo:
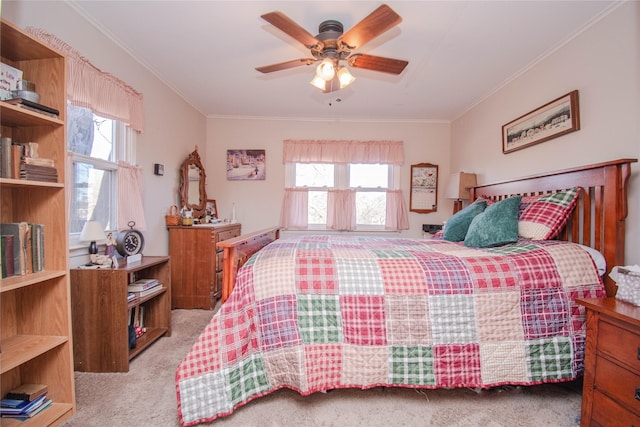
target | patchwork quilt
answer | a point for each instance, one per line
(322, 312)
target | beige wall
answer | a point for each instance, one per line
(603, 63)
(258, 202)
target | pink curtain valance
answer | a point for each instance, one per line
(343, 151)
(89, 87)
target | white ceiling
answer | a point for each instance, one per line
(459, 52)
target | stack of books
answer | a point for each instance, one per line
(38, 172)
(21, 161)
(143, 287)
(25, 401)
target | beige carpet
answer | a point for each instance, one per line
(145, 396)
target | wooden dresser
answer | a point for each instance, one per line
(611, 391)
(196, 273)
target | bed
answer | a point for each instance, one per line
(319, 312)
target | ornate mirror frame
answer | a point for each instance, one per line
(193, 161)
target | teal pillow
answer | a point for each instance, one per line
(456, 227)
(497, 225)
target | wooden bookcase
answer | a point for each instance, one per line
(35, 315)
(197, 264)
(101, 313)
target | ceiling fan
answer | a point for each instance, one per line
(332, 45)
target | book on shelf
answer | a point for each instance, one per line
(7, 255)
(23, 247)
(33, 106)
(143, 285)
(27, 392)
(21, 161)
(46, 402)
(147, 292)
(6, 164)
(23, 409)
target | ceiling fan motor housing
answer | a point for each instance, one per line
(329, 32)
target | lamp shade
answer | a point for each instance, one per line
(459, 185)
(92, 231)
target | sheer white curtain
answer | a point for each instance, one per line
(397, 217)
(130, 192)
(295, 209)
(341, 209)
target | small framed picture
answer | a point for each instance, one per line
(211, 209)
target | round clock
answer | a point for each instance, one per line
(130, 242)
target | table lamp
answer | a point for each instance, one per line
(458, 188)
(91, 232)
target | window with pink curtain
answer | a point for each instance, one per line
(348, 201)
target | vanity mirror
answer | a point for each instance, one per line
(192, 185)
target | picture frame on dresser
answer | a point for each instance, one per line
(211, 209)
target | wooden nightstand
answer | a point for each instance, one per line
(611, 390)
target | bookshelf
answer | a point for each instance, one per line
(35, 310)
(101, 313)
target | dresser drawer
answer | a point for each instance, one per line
(618, 383)
(607, 412)
(619, 343)
(228, 234)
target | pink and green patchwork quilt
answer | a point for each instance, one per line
(322, 312)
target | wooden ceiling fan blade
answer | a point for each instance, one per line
(377, 22)
(377, 63)
(285, 65)
(290, 27)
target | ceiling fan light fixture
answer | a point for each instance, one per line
(326, 70)
(318, 82)
(345, 77)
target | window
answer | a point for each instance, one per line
(369, 181)
(96, 144)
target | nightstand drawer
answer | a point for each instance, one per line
(607, 412)
(619, 343)
(620, 384)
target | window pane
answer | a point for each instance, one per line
(371, 176)
(371, 207)
(314, 175)
(92, 197)
(89, 134)
(317, 207)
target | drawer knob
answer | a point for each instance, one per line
(637, 396)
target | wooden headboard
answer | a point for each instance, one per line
(599, 218)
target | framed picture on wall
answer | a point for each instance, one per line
(558, 117)
(246, 165)
(424, 188)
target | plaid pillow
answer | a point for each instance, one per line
(542, 217)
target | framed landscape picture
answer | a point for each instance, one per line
(558, 117)
(246, 165)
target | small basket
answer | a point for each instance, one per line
(628, 286)
(172, 218)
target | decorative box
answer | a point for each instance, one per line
(628, 286)
(10, 80)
